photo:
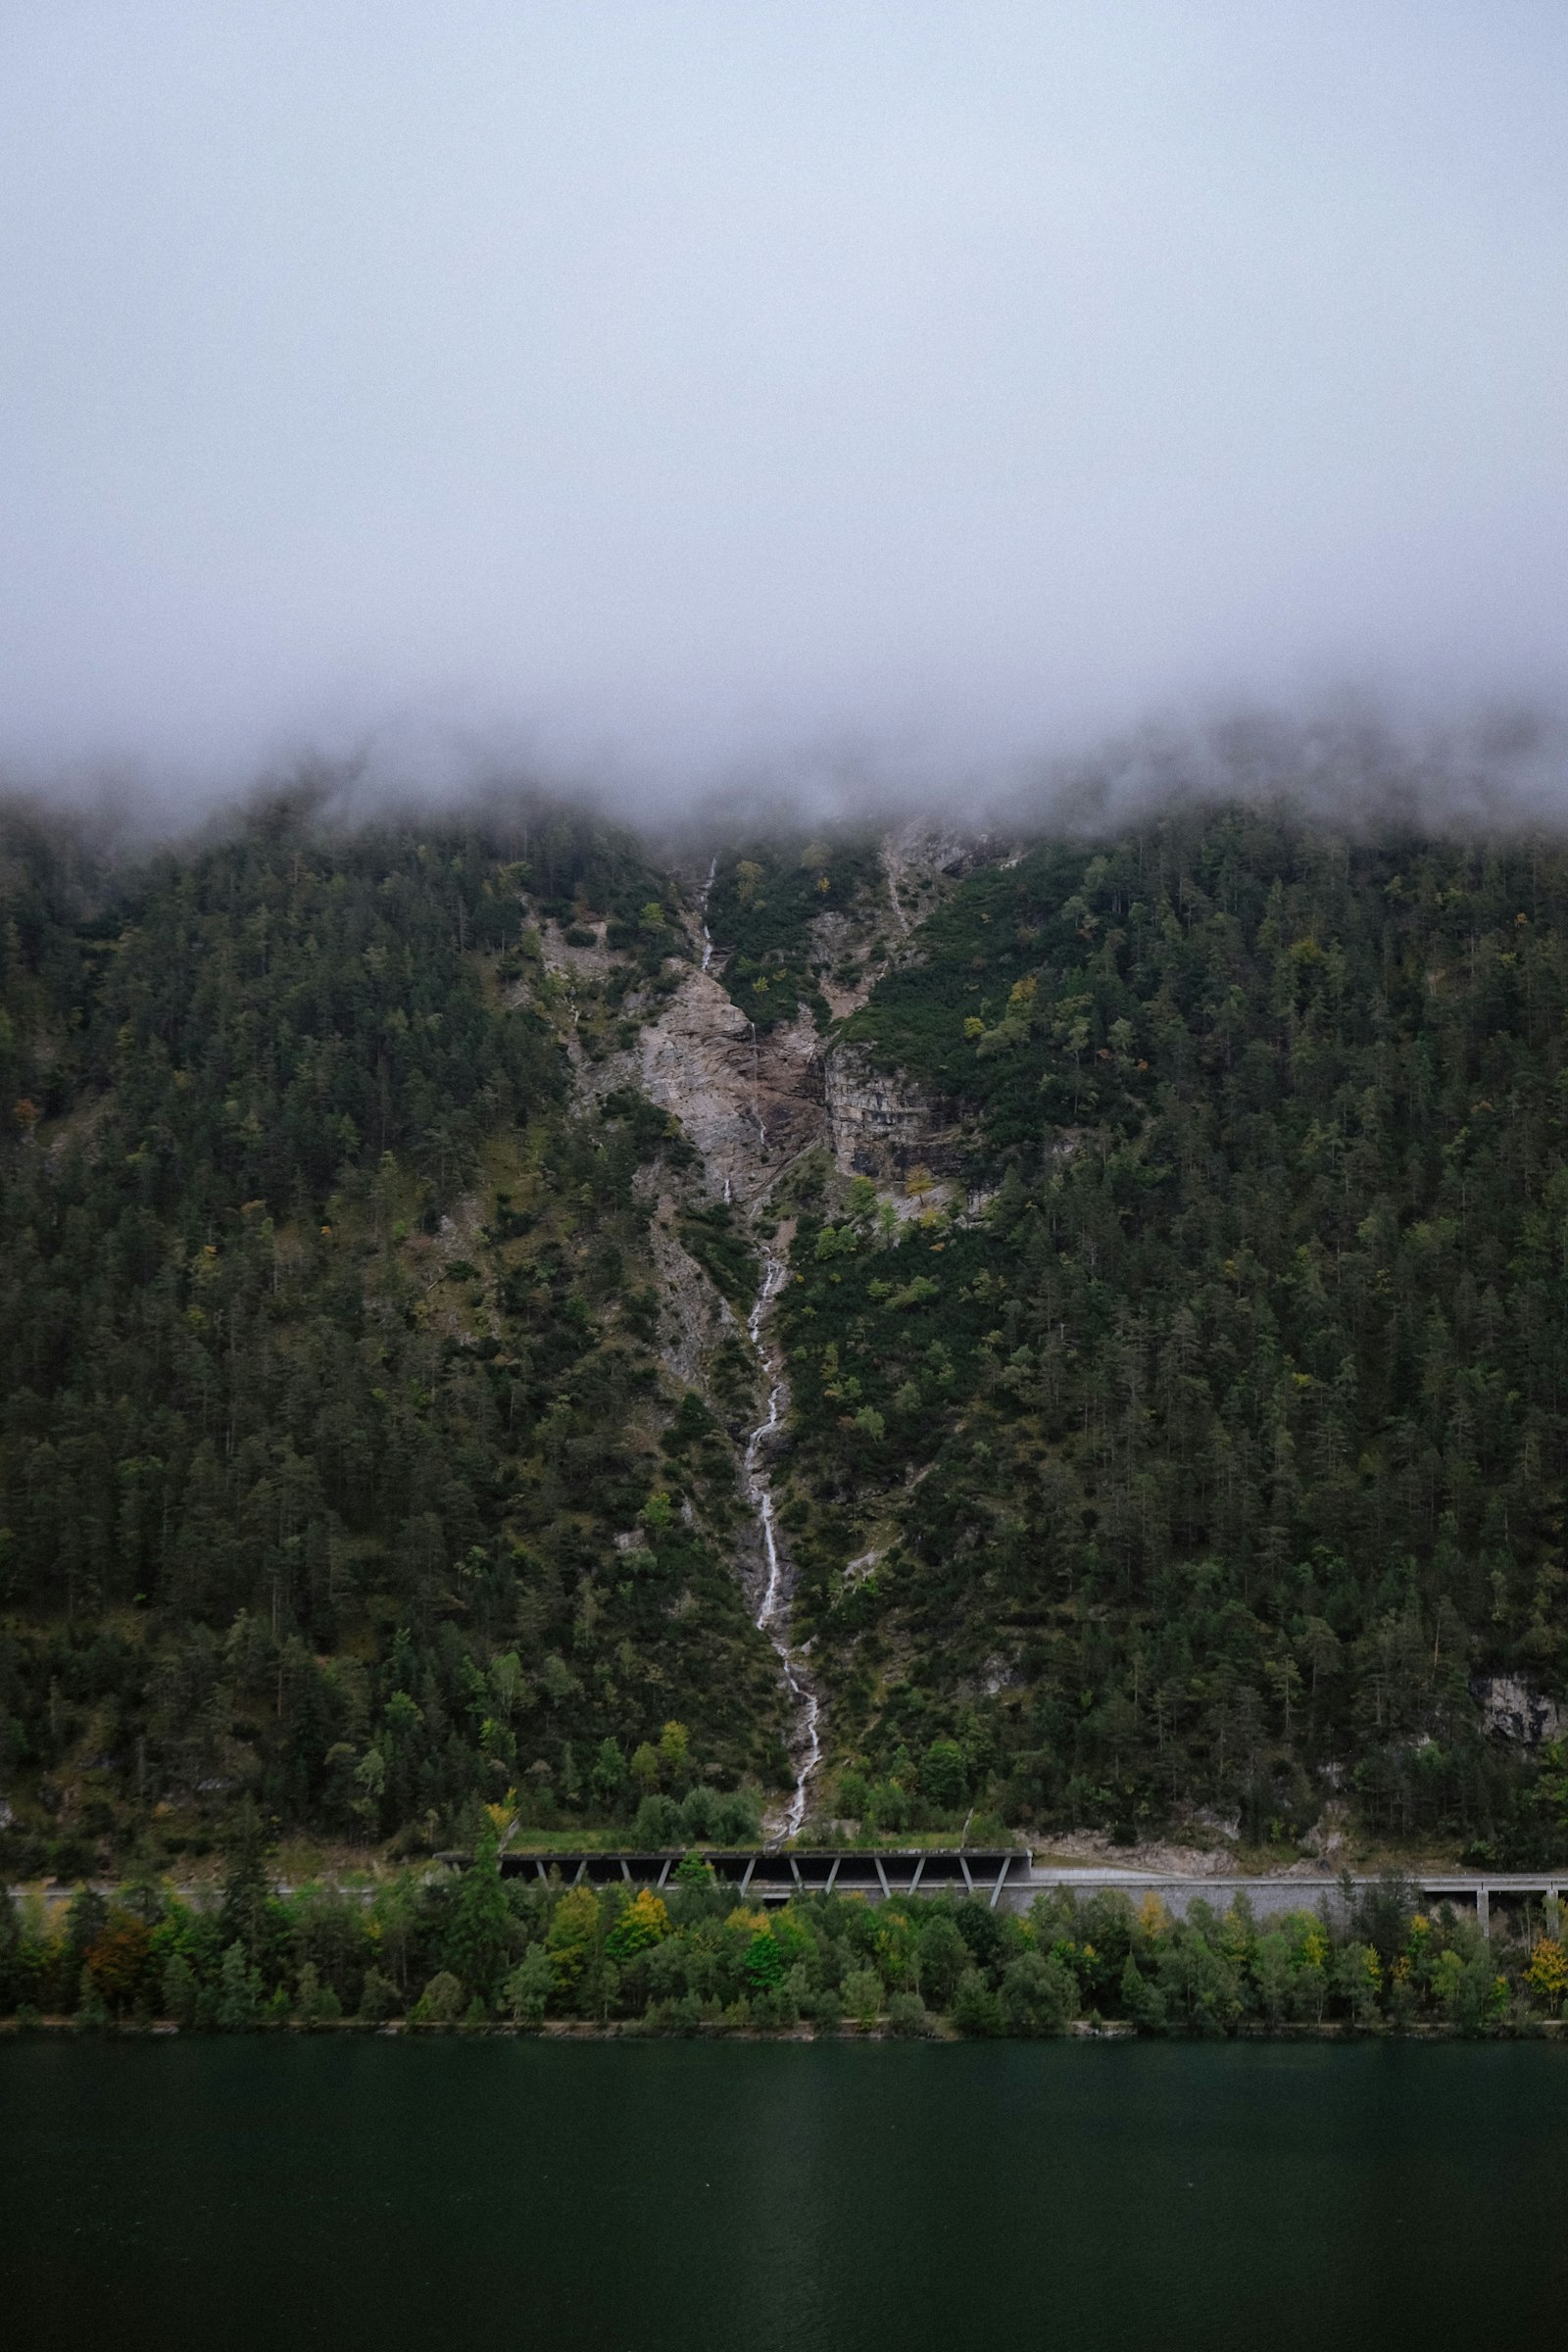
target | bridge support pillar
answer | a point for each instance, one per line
(1484, 1910)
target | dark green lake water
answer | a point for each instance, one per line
(507, 2193)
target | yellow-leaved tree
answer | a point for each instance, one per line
(572, 1937)
(644, 1921)
(1547, 1973)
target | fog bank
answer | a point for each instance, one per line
(683, 399)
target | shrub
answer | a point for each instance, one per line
(862, 1996)
(976, 2010)
(699, 1816)
(525, 1994)
(441, 2001)
(1039, 1995)
(314, 2003)
(379, 1999)
(658, 1823)
(943, 1775)
(775, 2006)
(739, 1819)
(907, 2016)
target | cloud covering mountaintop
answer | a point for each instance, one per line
(677, 391)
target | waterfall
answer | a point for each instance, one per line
(772, 1613)
(708, 937)
(774, 1609)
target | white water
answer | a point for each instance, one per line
(773, 1612)
(773, 1608)
(756, 1094)
(708, 937)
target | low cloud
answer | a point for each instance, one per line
(853, 406)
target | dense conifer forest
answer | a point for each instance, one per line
(1222, 1454)
(1175, 1417)
(308, 1494)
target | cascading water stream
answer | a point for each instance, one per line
(773, 1607)
(772, 1614)
(708, 937)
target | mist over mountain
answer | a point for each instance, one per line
(783, 928)
(695, 400)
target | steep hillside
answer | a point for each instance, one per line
(347, 1455)
(1069, 1336)
(1199, 1442)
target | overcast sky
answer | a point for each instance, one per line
(655, 387)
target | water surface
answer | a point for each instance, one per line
(296, 2193)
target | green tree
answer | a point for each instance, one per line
(1466, 1982)
(943, 1775)
(765, 1967)
(92, 2011)
(525, 1994)
(644, 1923)
(239, 1992)
(976, 2010)
(1142, 2000)
(861, 1995)
(479, 1938)
(941, 1958)
(247, 1891)
(441, 2001)
(573, 1942)
(314, 2003)
(1274, 1972)
(1039, 1994)
(378, 1999)
(179, 1991)
(607, 1778)
(1358, 1981)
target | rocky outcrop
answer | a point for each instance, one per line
(881, 1124)
(1515, 1711)
(920, 862)
(748, 1100)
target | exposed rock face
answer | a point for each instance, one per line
(748, 1102)
(1516, 1711)
(880, 1125)
(695, 1317)
(838, 948)
(921, 860)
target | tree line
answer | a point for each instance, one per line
(472, 1947)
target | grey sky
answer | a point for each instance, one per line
(657, 387)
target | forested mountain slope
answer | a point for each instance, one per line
(1174, 1333)
(1219, 1460)
(328, 1369)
